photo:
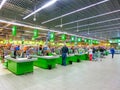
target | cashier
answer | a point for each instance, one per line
(27, 52)
(73, 50)
(17, 48)
(12, 51)
(46, 50)
(64, 52)
(41, 49)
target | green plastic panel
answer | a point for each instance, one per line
(45, 63)
(84, 57)
(74, 58)
(77, 58)
(20, 68)
(68, 60)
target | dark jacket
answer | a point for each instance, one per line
(94, 50)
(64, 49)
(112, 50)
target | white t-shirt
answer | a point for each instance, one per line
(90, 51)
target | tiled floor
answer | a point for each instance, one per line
(100, 75)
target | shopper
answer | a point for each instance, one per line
(90, 54)
(101, 52)
(99, 55)
(12, 49)
(72, 49)
(112, 50)
(2, 49)
(64, 52)
(94, 53)
(40, 50)
(46, 50)
(17, 48)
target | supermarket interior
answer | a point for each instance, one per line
(59, 44)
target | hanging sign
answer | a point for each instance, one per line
(35, 33)
(72, 38)
(86, 40)
(79, 39)
(90, 41)
(52, 36)
(76, 41)
(14, 30)
(63, 37)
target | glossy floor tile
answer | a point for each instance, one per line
(100, 75)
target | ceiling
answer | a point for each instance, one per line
(101, 27)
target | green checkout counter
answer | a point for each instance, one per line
(46, 62)
(20, 66)
(77, 58)
(49, 62)
(84, 57)
(73, 58)
(69, 59)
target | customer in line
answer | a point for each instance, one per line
(64, 52)
(99, 54)
(94, 53)
(90, 51)
(112, 50)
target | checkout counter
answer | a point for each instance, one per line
(46, 62)
(69, 59)
(20, 66)
(84, 56)
(77, 58)
(80, 57)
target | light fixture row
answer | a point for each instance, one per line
(115, 11)
(78, 10)
(93, 23)
(100, 27)
(39, 28)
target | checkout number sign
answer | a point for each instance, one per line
(48, 36)
(76, 41)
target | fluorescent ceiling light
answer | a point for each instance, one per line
(89, 18)
(100, 30)
(2, 3)
(41, 8)
(93, 23)
(24, 25)
(32, 27)
(32, 32)
(104, 31)
(100, 27)
(81, 9)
